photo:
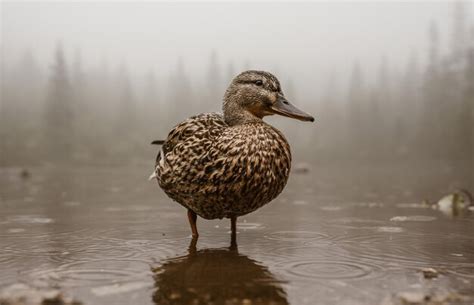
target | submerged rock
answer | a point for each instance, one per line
(21, 294)
(25, 174)
(456, 203)
(441, 297)
(426, 298)
(430, 273)
(413, 297)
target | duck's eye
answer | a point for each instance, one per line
(258, 83)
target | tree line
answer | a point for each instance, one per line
(94, 116)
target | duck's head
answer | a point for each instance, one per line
(255, 94)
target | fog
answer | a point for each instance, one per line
(304, 40)
(95, 82)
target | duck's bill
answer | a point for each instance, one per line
(283, 107)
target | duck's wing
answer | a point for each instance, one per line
(187, 146)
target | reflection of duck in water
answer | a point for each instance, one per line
(216, 276)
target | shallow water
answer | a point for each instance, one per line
(107, 236)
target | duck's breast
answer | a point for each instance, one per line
(218, 170)
(257, 165)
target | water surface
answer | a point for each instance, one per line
(107, 236)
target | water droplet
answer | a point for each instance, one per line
(249, 226)
(72, 203)
(390, 229)
(30, 219)
(331, 208)
(413, 205)
(119, 288)
(16, 230)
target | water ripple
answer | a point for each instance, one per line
(331, 269)
(396, 249)
(466, 270)
(296, 236)
(92, 273)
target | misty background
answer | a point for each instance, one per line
(93, 83)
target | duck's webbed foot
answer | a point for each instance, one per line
(192, 217)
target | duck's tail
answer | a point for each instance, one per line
(160, 153)
(153, 175)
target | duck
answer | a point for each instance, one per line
(229, 164)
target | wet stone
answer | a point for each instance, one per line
(413, 298)
(422, 298)
(455, 204)
(430, 273)
(21, 294)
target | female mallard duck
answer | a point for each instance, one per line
(230, 164)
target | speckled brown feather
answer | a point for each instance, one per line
(218, 170)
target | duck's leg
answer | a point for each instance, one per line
(233, 227)
(233, 236)
(192, 217)
(192, 246)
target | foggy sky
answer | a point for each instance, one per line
(300, 39)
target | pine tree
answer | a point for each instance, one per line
(410, 104)
(356, 105)
(433, 53)
(153, 112)
(429, 131)
(387, 115)
(230, 73)
(467, 119)
(469, 100)
(180, 101)
(214, 83)
(59, 115)
(459, 36)
(126, 120)
(20, 103)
